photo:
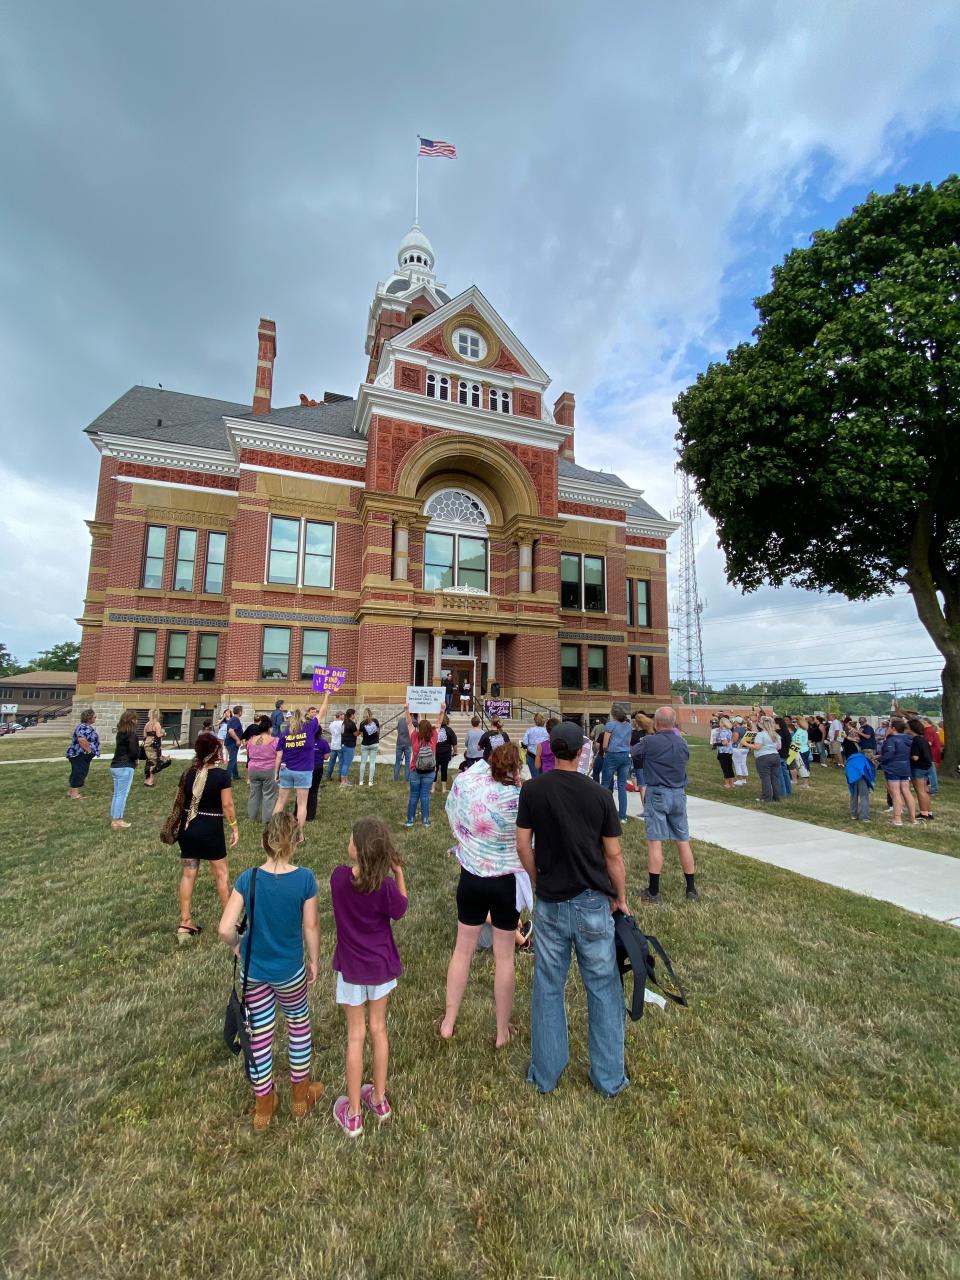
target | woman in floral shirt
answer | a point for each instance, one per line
(83, 749)
(482, 811)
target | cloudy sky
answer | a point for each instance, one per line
(627, 175)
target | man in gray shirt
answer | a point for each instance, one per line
(402, 756)
(663, 756)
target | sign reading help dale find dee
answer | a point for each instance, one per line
(424, 699)
(328, 679)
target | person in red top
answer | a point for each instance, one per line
(423, 766)
(936, 754)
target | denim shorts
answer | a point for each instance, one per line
(295, 779)
(665, 814)
(356, 993)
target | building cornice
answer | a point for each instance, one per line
(272, 438)
(649, 528)
(595, 492)
(446, 365)
(162, 453)
(457, 418)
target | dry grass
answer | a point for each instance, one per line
(826, 803)
(798, 1120)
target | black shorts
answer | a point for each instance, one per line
(479, 896)
(726, 764)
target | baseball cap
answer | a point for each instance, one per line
(566, 739)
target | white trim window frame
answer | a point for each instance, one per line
(300, 563)
(210, 562)
(185, 582)
(582, 606)
(469, 343)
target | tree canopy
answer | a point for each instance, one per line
(59, 657)
(827, 449)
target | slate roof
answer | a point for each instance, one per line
(198, 420)
(639, 509)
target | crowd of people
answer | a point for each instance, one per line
(906, 748)
(548, 844)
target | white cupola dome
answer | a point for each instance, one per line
(416, 251)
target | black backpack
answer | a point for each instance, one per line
(634, 953)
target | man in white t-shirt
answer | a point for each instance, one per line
(835, 741)
(336, 735)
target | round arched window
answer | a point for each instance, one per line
(455, 546)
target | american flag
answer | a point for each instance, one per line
(428, 148)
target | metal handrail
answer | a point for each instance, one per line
(550, 711)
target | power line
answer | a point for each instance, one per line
(776, 611)
(811, 666)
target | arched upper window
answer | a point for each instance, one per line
(432, 386)
(455, 549)
(444, 388)
(462, 392)
(500, 401)
(475, 395)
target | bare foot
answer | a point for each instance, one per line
(445, 1028)
(505, 1038)
(118, 824)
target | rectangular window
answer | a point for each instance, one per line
(645, 668)
(632, 672)
(643, 603)
(207, 658)
(437, 561)
(472, 562)
(629, 602)
(569, 666)
(596, 666)
(569, 582)
(318, 555)
(186, 559)
(594, 591)
(283, 556)
(156, 547)
(276, 653)
(216, 559)
(315, 647)
(144, 655)
(176, 655)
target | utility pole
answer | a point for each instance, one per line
(689, 606)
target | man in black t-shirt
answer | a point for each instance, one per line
(568, 839)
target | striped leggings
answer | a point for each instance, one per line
(262, 1000)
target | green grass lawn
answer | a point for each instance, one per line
(23, 746)
(799, 1119)
(827, 803)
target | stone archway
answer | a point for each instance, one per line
(483, 463)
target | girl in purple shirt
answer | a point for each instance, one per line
(366, 961)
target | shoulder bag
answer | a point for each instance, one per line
(236, 1025)
(634, 953)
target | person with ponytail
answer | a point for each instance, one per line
(205, 802)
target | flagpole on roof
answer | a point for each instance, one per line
(416, 207)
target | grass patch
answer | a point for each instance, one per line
(826, 803)
(798, 1119)
(21, 746)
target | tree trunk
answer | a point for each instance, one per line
(951, 713)
(945, 634)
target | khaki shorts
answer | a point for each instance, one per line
(836, 748)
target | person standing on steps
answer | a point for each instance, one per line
(663, 756)
(123, 766)
(83, 750)
(568, 842)
(466, 693)
(284, 909)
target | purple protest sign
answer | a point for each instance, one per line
(328, 679)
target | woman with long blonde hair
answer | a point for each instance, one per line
(205, 802)
(296, 757)
(766, 749)
(153, 746)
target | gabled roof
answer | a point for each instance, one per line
(184, 419)
(42, 679)
(471, 297)
(334, 419)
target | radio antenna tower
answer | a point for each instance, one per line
(689, 606)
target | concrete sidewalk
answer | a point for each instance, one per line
(919, 881)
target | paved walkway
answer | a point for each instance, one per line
(922, 882)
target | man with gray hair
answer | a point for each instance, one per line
(663, 756)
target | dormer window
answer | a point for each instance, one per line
(469, 393)
(438, 388)
(469, 344)
(500, 401)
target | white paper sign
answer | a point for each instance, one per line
(8, 709)
(424, 699)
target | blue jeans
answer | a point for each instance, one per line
(933, 782)
(785, 778)
(597, 767)
(402, 757)
(122, 782)
(233, 750)
(532, 764)
(585, 924)
(346, 759)
(618, 764)
(334, 761)
(420, 784)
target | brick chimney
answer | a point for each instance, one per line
(563, 417)
(267, 353)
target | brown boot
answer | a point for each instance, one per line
(264, 1109)
(306, 1095)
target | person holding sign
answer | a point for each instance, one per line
(423, 766)
(296, 755)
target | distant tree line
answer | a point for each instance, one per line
(59, 657)
(791, 697)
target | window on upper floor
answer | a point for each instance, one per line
(144, 655)
(643, 603)
(300, 552)
(275, 663)
(582, 582)
(176, 655)
(596, 666)
(186, 559)
(216, 559)
(207, 646)
(438, 388)
(314, 651)
(569, 666)
(500, 401)
(455, 545)
(154, 552)
(630, 606)
(469, 344)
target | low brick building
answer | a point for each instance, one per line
(36, 695)
(436, 522)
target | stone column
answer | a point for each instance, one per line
(437, 658)
(526, 565)
(401, 550)
(491, 659)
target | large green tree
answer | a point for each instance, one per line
(827, 449)
(59, 657)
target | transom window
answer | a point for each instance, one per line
(582, 582)
(455, 553)
(300, 552)
(469, 344)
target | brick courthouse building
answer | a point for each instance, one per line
(436, 522)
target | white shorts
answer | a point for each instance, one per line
(355, 993)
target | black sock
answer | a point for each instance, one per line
(690, 879)
(654, 885)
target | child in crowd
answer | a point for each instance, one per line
(860, 778)
(365, 900)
